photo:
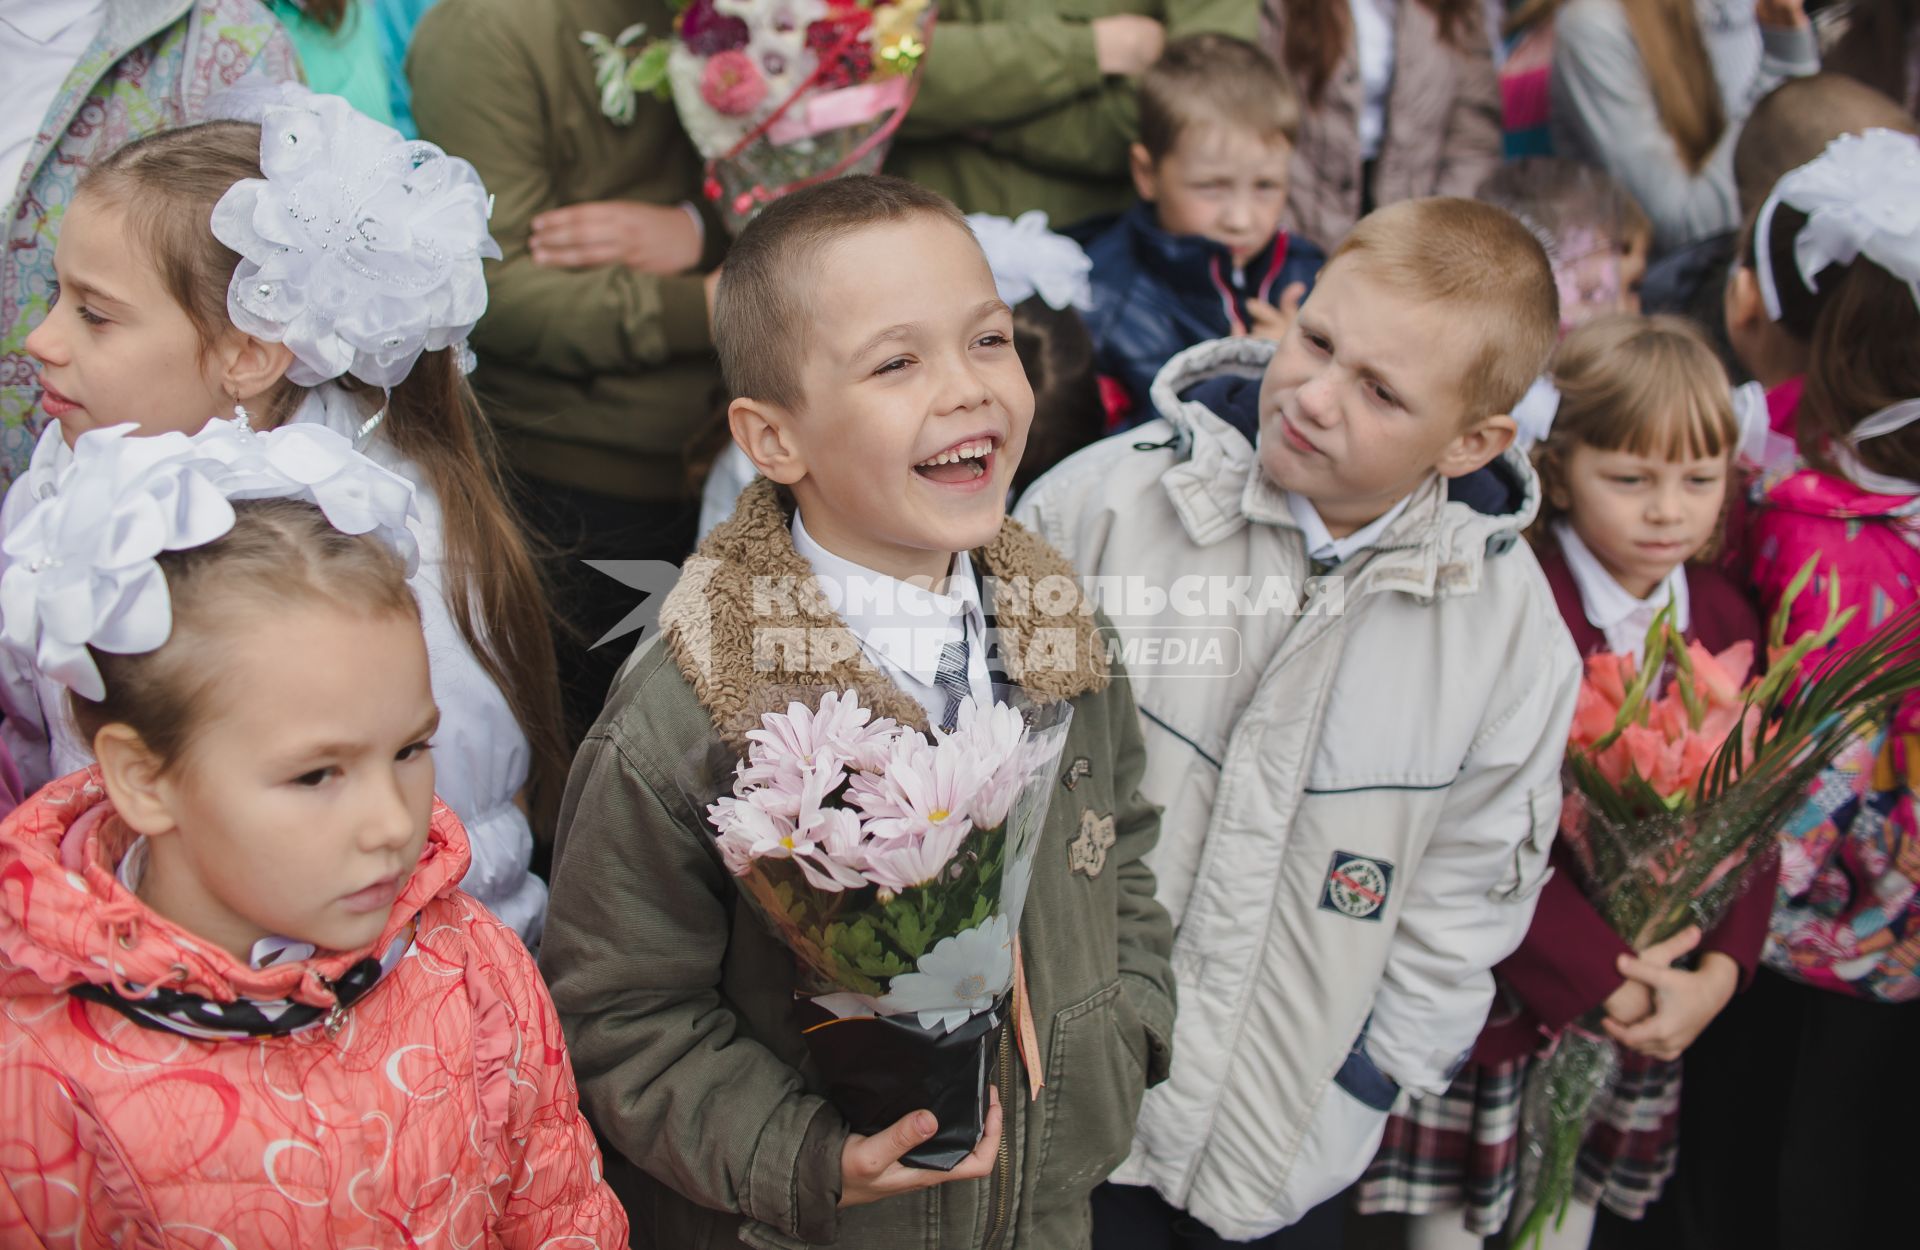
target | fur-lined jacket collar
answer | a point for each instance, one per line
(750, 629)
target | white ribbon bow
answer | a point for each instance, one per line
(83, 565)
(1028, 259)
(360, 249)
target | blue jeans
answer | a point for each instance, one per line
(1133, 1217)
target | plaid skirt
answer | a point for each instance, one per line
(1461, 1150)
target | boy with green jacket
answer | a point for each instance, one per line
(886, 418)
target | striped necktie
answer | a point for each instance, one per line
(951, 679)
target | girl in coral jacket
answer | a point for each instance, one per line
(314, 268)
(242, 998)
(1635, 470)
(1826, 286)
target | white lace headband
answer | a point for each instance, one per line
(82, 566)
(1862, 198)
(360, 249)
(1028, 259)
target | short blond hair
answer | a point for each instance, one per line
(1483, 263)
(1215, 80)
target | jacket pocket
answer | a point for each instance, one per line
(1528, 869)
(1096, 1074)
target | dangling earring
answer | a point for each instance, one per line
(241, 415)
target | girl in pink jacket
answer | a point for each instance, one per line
(242, 999)
(1818, 1052)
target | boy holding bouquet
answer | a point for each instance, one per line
(878, 393)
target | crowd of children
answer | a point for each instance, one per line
(291, 717)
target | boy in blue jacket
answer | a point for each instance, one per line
(1202, 256)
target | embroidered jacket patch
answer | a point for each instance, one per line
(1356, 886)
(1088, 852)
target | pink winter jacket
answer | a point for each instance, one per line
(437, 1110)
(1847, 917)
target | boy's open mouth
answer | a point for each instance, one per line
(960, 463)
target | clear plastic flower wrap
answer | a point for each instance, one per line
(776, 94)
(894, 865)
(1673, 800)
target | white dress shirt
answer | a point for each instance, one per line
(1322, 546)
(902, 627)
(40, 43)
(1608, 605)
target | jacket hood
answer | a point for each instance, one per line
(1812, 493)
(66, 922)
(1439, 543)
(746, 651)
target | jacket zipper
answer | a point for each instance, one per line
(1003, 1166)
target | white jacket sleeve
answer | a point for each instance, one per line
(1471, 898)
(1468, 905)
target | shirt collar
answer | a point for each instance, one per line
(907, 625)
(1322, 545)
(268, 952)
(1609, 607)
(44, 21)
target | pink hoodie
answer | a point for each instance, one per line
(437, 1109)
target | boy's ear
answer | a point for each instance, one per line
(1145, 182)
(134, 780)
(766, 433)
(250, 367)
(1746, 310)
(1478, 444)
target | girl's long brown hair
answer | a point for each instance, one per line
(167, 185)
(1316, 36)
(1685, 91)
(1860, 327)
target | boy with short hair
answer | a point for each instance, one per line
(1359, 800)
(1202, 255)
(887, 418)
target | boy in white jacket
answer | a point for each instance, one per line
(1356, 691)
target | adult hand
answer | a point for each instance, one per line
(870, 1167)
(1273, 323)
(1685, 1003)
(649, 238)
(1780, 14)
(1126, 43)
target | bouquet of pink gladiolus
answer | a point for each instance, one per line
(1680, 771)
(894, 866)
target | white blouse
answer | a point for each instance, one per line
(481, 757)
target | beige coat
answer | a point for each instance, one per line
(1443, 124)
(1359, 799)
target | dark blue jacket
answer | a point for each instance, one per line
(1156, 294)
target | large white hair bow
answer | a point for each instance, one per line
(1028, 259)
(360, 248)
(1862, 198)
(83, 566)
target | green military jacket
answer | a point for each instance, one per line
(1013, 112)
(596, 378)
(678, 1005)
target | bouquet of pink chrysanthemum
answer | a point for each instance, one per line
(894, 866)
